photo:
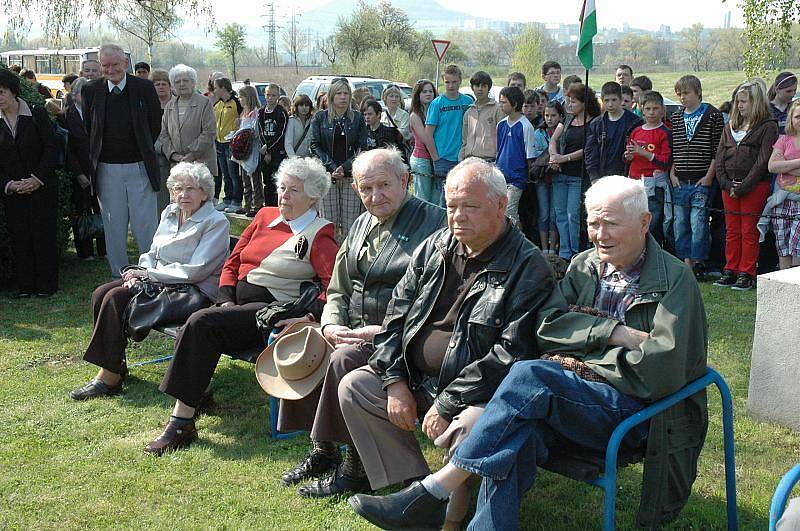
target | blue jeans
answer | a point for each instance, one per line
(547, 213)
(422, 172)
(692, 233)
(659, 203)
(537, 406)
(567, 206)
(440, 169)
(230, 175)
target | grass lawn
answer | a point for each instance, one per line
(717, 86)
(70, 465)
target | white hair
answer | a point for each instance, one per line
(182, 69)
(389, 159)
(629, 192)
(483, 171)
(316, 180)
(112, 49)
(197, 172)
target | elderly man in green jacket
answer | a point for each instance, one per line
(630, 328)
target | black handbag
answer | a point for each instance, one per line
(157, 304)
(277, 311)
(90, 226)
(540, 166)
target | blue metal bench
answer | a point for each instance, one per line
(781, 496)
(606, 477)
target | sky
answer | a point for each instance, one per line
(610, 13)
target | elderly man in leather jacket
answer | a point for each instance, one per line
(626, 327)
(370, 263)
(465, 311)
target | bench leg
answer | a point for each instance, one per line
(730, 460)
(274, 408)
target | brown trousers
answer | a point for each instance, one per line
(107, 345)
(390, 454)
(319, 412)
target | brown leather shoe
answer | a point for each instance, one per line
(173, 437)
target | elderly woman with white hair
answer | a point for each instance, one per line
(188, 126)
(273, 258)
(189, 247)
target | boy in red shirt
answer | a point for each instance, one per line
(649, 158)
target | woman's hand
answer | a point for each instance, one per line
(130, 283)
(134, 274)
(29, 185)
(338, 172)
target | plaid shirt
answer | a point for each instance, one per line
(617, 289)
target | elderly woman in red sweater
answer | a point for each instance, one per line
(274, 256)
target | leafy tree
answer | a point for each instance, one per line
(150, 21)
(395, 28)
(358, 34)
(767, 34)
(230, 41)
(530, 51)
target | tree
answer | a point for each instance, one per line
(150, 21)
(767, 33)
(395, 28)
(636, 50)
(329, 48)
(357, 34)
(728, 51)
(530, 51)
(694, 46)
(294, 42)
(230, 41)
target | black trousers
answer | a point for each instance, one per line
(201, 341)
(32, 224)
(267, 171)
(107, 346)
(84, 203)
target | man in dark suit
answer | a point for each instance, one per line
(123, 118)
(84, 199)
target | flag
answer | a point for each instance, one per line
(588, 31)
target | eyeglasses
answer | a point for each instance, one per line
(178, 189)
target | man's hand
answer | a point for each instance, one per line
(625, 336)
(338, 172)
(130, 282)
(288, 322)
(331, 332)
(433, 424)
(401, 406)
(342, 335)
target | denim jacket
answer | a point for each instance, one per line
(322, 138)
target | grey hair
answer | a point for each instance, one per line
(83, 63)
(630, 192)
(483, 171)
(112, 49)
(78, 84)
(388, 158)
(181, 69)
(316, 180)
(197, 172)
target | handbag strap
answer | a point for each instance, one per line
(303, 137)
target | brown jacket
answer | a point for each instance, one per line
(745, 163)
(194, 135)
(479, 131)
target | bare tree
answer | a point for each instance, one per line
(694, 46)
(150, 21)
(294, 41)
(329, 48)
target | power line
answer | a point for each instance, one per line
(271, 28)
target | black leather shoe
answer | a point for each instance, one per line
(173, 437)
(410, 508)
(96, 387)
(314, 465)
(334, 484)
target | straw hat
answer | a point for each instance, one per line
(294, 364)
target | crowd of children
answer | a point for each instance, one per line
(697, 164)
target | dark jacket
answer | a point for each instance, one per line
(272, 128)
(745, 163)
(495, 326)
(691, 158)
(33, 151)
(322, 138)
(669, 307)
(78, 161)
(599, 162)
(370, 293)
(146, 110)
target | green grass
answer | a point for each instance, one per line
(70, 465)
(717, 86)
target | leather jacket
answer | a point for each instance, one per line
(322, 139)
(496, 324)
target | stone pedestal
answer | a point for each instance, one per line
(774, 393)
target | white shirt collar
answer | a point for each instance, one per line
(121, 83)
(298, 224)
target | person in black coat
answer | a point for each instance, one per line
(122, 114)
(84, 200)
(28, 154)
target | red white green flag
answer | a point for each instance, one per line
(588, 31)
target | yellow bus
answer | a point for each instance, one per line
(51, 65)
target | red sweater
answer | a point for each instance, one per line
(656, 141)
(258, 242)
